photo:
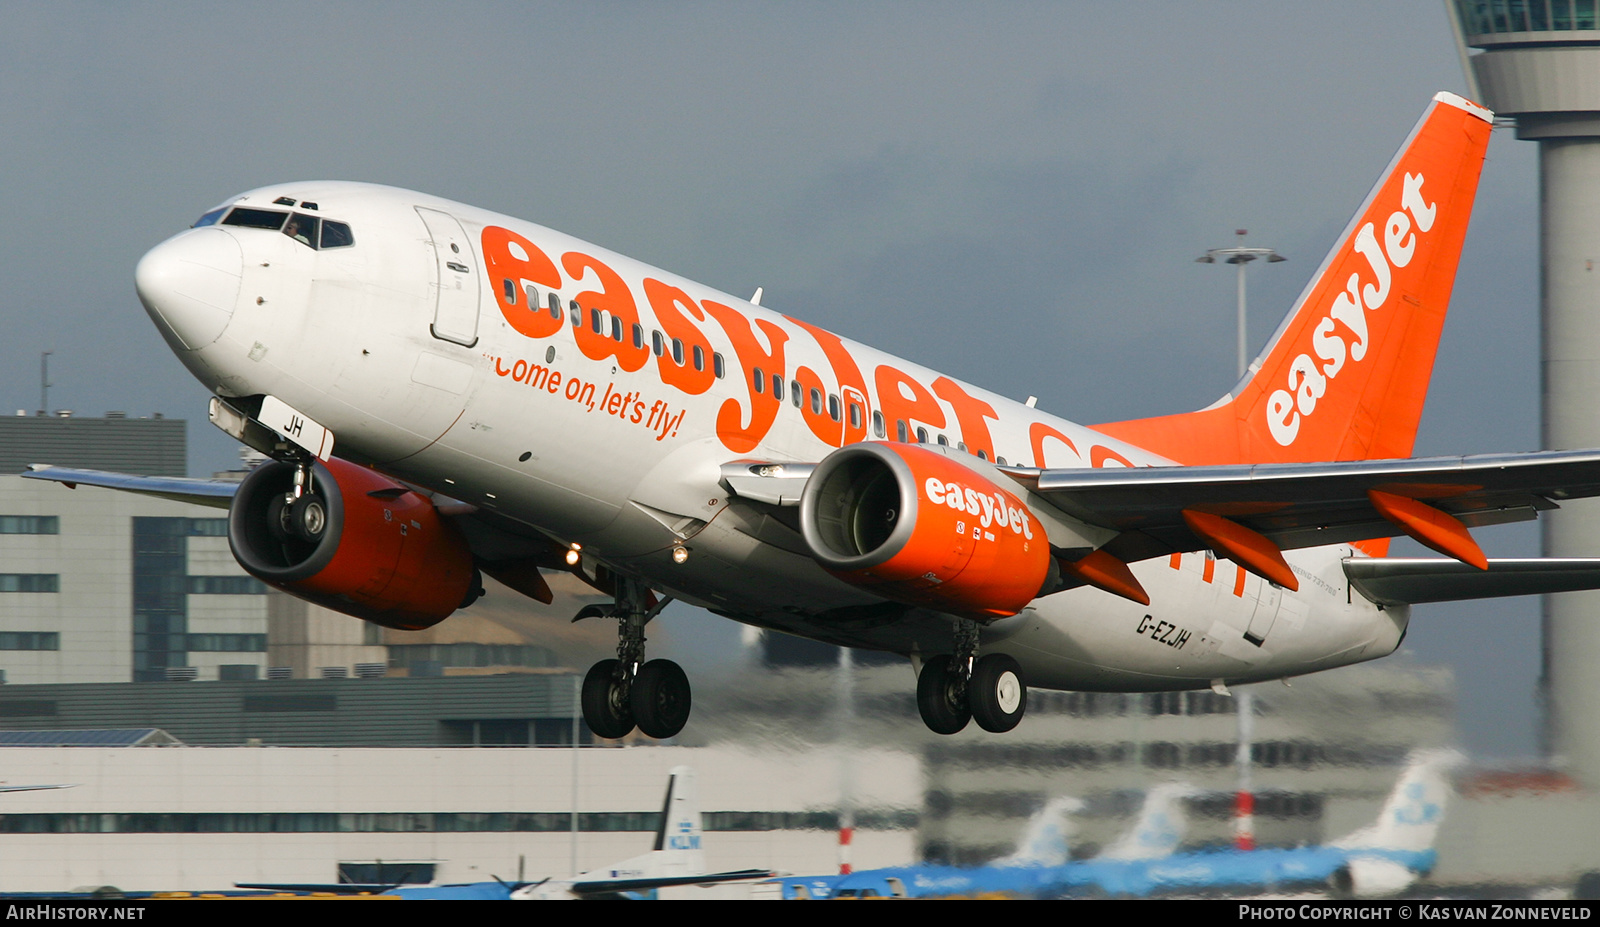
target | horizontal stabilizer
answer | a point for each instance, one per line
(1415, 580)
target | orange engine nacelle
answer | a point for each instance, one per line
(357, 542)
(916, 526)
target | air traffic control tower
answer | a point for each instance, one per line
(1538, 62)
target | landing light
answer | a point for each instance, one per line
(680, 554)
(572, 558)
(773, 470)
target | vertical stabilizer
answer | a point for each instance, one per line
(1345, 375)
(1410, 819)
(1047, 839)
(677, 849)
(1162, 824)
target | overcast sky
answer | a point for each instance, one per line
(911, 175)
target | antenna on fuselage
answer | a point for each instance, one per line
(756, 299)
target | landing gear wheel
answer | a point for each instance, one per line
(306, 518)
(996, 693)
(942, 697)
(605, 701)
(660, 699)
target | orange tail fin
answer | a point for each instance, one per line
(1345, 375)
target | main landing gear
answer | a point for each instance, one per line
(953, 689)
(627, 692)
(299, 515)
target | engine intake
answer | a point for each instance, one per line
(356, 542)
(917, 526)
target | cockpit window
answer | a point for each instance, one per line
(302, 228)
(311, 231)
(209, 218)
(336, 235)
(256, 218)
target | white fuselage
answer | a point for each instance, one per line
(590, 439)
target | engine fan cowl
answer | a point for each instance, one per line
(917, 526)
(383, 552)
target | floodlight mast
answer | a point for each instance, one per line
(1244, 799)
(1239, 255)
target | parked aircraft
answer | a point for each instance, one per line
(506, 399)
(676, 859)
(1156, 833)
(1382, 859)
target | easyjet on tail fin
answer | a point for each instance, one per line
(1345, 375)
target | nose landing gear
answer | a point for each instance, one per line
(953, 689)
(627, 692)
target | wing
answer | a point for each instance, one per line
(1252, 513)
(1415, 580)
(1308, 505)
(215, 493)
(596, 887)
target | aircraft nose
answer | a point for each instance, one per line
(190, 283)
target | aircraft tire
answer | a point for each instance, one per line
(661, 699)
(607, 713)
(307, 518)
(997, 694)
(940, 701)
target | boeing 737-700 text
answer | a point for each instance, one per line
(448, 392)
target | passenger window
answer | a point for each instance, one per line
(511, 290)
(555, 305)
(833, 407)
(302, 229)
(717, 366)
(616, 329)
(577, 314)
(758, 380)
(533, 296)
(855, 415)
(794, 392)
(816, 401)
(677, 351)
(982, 455)
(594, 320)
(877, 423)
(336, 235)
(638, 335)
(943, 441)
(1000, 460)
(900, 430)
(922, 435)
(699, 358)
(656, 343)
